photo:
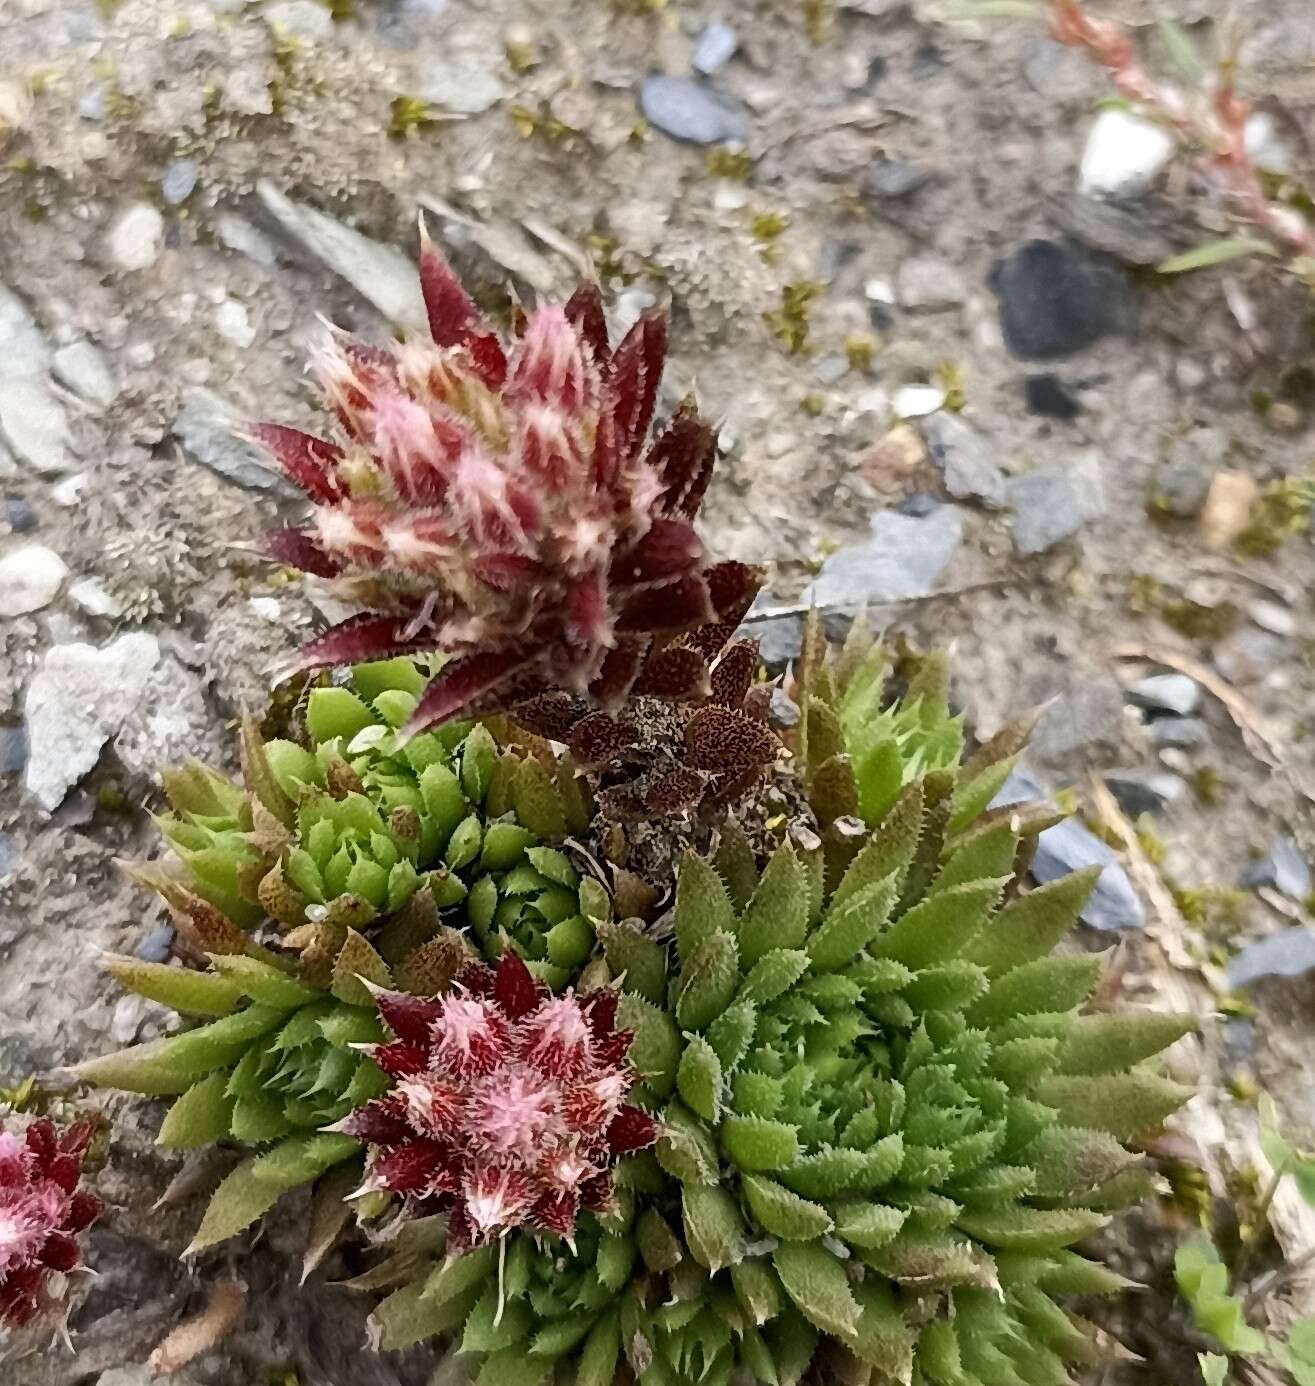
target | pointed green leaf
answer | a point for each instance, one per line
(699, 1078)
(888, 851)
(262, 982)
(601, 1352)
(496, 1323)
(504, 846)
(239, 1201)
(336, 712)
(536, 800)
(1049, 986)
(777, 916)
(754, 1143)
(773, 974)
(1124, 1104)
(1112, 1043)
(513, 1367)
(1029, 927)
(188, 992)
(817, 1284)
(987, 852)
(757, 1289)
(1031, 1229)
(201, 1116)
(708, 982)
(737, 866)
(714, 1229)
(782, 1213)
(937, 929)
(686, 1149)
(406, 1317)
(867, 1224)
(732, 1032)
(636, 957)
(656, 1048)
(850, 927)
(467, 1272)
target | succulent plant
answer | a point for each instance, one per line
(273, 1064)
(357, 836)
(504, 504)
(42, 1213)
(886, 1116)
(507, 1107)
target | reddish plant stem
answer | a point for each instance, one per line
(1212, 122)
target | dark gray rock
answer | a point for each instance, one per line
(903, 558)
(1282, 868)
(783, 710)
(780, 639)
(1069, 847)
(1174, 694)
(1055, 299)
(1048, 396)
(717, 45)
(1287, 954)
(1138, 794)
(13, 750)
(965, 457)
(1181, 732)
(155, 946)
(890, 179)
(22, 519)
(690, 110)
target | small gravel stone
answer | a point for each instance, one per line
(917, 401)
(30, 578)
(965, 457)
(1276, 619)
(1081, 713)
(717, 45)
(829, 369)
(1265, 144)
(19, 515)
(1282, 868)
(1180, 489)
(779, 640)
(1138, 794)
(267, 608)
(91, 596)
(690, 110)
(8, 856)
(239, 234)
(91, 104)
(1174, 694)
(1290, 953)
(927, 282)
(1055, 299)
(1124, 155)
(156, 946)
(67, 493)
(890, 179)
(207, 427)
(300, 19)
(467, 84)
(33, 420)
(83, 368)
(178, 182)
(783, 711)
(13, 750)
(136, 237)
(1048, 396)
(1179, 733)
(1051, 506)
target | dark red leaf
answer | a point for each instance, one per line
(514, 989)
(732, 587)
(678, 606)
(584, 309)
(596, 1193)
(83, 1209)
(41, 1141)
(400, 1060)
(720, 739)
(555, 1212)
(631, 1130)
(599, 739)
(424, 1167)
(363, 637)
(508, 572)
(683, 456)
(408, 1017)
(476, 978)
(732, 675)
(307, 461)
(65, 1170)
(677, 674)
(600, 1010)
(461, 686)
(727, 789)
(376, 1124)
(634, 374)
(297, 548)
(454, 320)
(669, 551)
(60, 1253)
(611, 1049)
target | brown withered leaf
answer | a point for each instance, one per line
(221, 1315)
(329, 1213)
(676, 674)
(732, 675)
(632, 896)
(599, 739)
(259, 777)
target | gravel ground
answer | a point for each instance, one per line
(950, 387)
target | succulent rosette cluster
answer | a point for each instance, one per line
(821, 1099)
(43, 1212)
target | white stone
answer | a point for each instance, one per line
(33, 421)
(77, 700)
(1265, 145)
(879, 291)
(233, 322)
(30, 578)
(268, 608)
(917, 401)
(93, 598)
(136, 237)
(873, 401)
(1124, 155)
(926, 281)
(301, 19)
(69, 491)
(380, 273)
(84, 369)
(466, 84)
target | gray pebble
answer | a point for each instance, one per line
(155, 946)
(1283, 869)
(717, 45)
(1287, 954)
(13, 750)
(8, 856)
(20, 515)
(1180, 732)
(178, 181)
(783, 710)
(890, 178)
(965, 456)
(1138, 794)
(91, 105)
(1049, 507)
(689, 110)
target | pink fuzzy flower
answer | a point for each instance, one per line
(505, 504)
(42, 1211)
(508, 1105)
